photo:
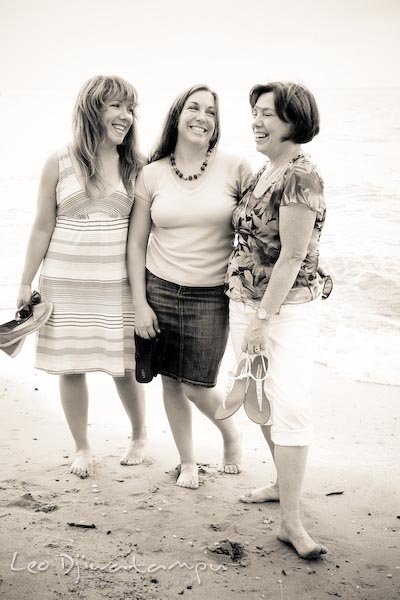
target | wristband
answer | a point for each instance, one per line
(263, 315)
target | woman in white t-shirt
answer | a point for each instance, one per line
(185, 198)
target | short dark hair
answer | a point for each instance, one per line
(169, 135)
(294, 104)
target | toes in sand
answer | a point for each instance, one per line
(83, 464)
(232, 457)
(304, 545)
(188, 476)
(135, 452)
(262, 494)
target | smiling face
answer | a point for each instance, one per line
(117, 119)
(197, 120)
(269, 130)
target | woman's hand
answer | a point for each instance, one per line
(255, 337)
(24, 294)
(146, 323)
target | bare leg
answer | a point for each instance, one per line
(132, 396)
(269, 493)
(74, 399)
(207, 400)
(291, 463)
(179, 413)
(266, 429)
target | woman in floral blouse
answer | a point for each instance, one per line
(275, 288)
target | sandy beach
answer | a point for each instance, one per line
(153, 540)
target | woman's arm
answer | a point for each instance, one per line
(146, 324)
(42, 228)
(296, 223)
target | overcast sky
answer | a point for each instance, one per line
(168, 44)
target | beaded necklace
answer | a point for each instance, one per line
(189, 177)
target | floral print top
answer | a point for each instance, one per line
(257, 242)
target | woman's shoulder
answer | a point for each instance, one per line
(150, 177)
(229, 158)
(305, 169)
(50, 174)
(55, 157)
(66, 153)
(237, 167)
(155, 166)
(303, 184)
(152, 171)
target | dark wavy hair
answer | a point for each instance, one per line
(294, 104)
(169, 134)
(88, 130)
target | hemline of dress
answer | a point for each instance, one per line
(185, 380)
(76, 372)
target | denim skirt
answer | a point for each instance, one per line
(194, 321)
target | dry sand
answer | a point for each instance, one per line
(153, 540)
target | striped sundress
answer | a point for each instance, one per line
(84, 275)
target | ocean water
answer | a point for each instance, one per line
(357, 153)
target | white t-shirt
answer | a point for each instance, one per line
(192, 234)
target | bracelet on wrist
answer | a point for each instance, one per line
(263, 315)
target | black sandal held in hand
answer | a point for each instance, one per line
(23, 314)
(148, 354)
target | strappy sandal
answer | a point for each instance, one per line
(29, 318)
(256, 404)
(236, 390)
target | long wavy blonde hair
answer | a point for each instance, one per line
(88, 130)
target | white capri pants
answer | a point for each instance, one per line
(291, 344)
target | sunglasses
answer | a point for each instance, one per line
(26, 310)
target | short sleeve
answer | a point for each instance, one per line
(143, 186)
(245, 177)
(303, 185)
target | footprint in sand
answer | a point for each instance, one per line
(29, 502)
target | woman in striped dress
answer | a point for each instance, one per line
(80, 233)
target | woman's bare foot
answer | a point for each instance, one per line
(188, 476)
(301, 542)
(83, 464)
(231, 463)
(263, 494)
(135, 452)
